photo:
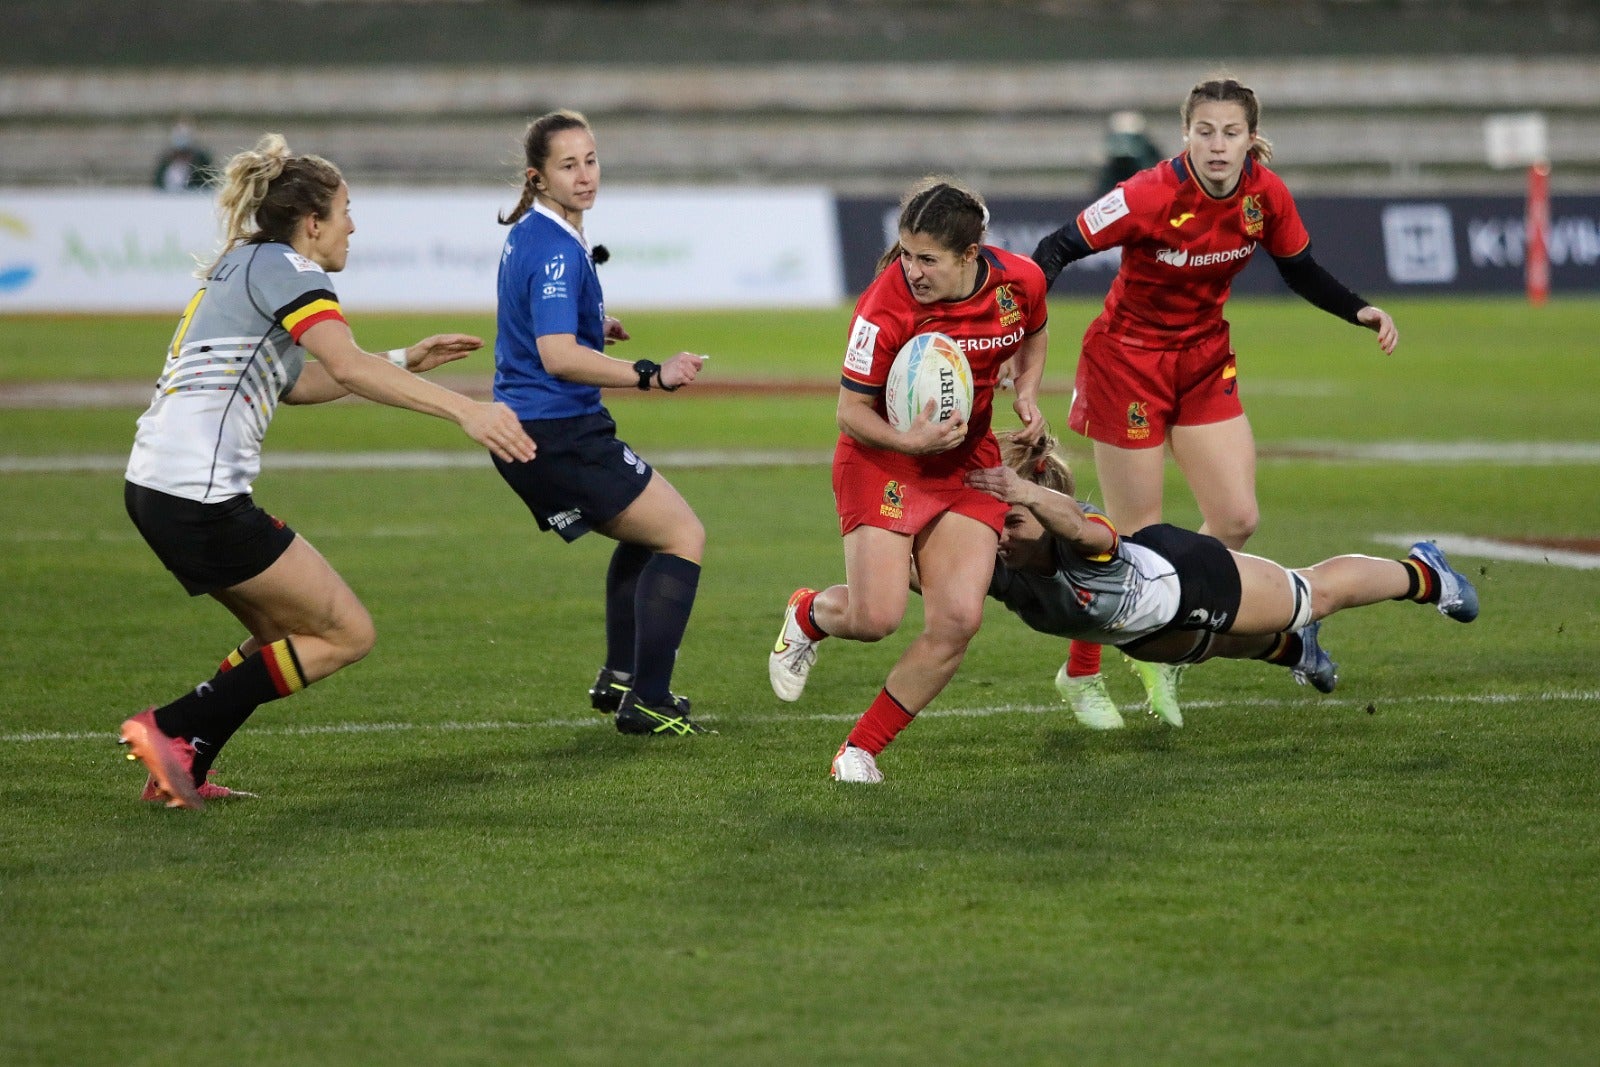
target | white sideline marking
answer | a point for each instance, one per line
(1489, 548)
(1558, 696)
(419, 460)
(1497, 453)
(1494, 453)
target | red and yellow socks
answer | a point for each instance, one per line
(1421, 581)
(1285, 650)
(232, 660)
(219, 706)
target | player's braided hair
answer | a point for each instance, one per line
(536, 151)
(266, 191)
(937, 206)
(1225, 89)
(1039, 462)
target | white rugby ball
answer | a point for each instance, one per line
(931, 366)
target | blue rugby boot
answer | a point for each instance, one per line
(1458, 599)
(1314, 667)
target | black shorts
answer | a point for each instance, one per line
(207, 547)
(1208, 579)
(583, 476)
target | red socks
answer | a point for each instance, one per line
(1083, 659)
(879, 725)
(803, 618)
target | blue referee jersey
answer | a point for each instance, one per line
(547, 285)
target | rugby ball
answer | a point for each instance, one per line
(931, 366)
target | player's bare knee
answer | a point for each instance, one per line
(354, 637)
(686, 540)
(869, 625)
(693, 540)
(1236, 528)
(957, 626)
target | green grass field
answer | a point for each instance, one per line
(453, 862)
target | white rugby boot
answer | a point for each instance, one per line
(1089, 700)
(853, 764)
(792, 655)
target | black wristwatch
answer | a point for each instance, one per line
(647, 369)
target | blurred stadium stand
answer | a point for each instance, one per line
(859, 95)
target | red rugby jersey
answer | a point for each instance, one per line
(989, 325)
(1181, 247)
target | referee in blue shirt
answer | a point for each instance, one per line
(550, 366)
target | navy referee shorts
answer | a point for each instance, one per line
(582, 477)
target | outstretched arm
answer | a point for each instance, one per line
(1316, 286)
(317, 386)
(570, 361)
(1058, 513)
(345, 365)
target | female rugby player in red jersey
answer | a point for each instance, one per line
(1157, 366)
(901, 496)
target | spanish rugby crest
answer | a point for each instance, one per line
(1138, 421)
(1253, 218)
(894, 497)
(1009, 312)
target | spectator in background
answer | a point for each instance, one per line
(1128, 151)
(184, 165)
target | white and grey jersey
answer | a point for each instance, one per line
(1128, 596)
(234, 355)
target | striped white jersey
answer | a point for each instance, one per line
(1112, 600)
(234, 355)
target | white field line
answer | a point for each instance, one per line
(419, 460)
(1489, 548)
(1454, 544)
(1493, 453)
(1497, 453)
(1559, 696)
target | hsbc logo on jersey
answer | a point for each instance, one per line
(1180, 257)
(1103, 212)
(863, 341)
(984, 344)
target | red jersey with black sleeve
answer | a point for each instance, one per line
(1181, 248)
(990, 326)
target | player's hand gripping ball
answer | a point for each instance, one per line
(931, 366)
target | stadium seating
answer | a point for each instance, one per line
(1368, 124)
